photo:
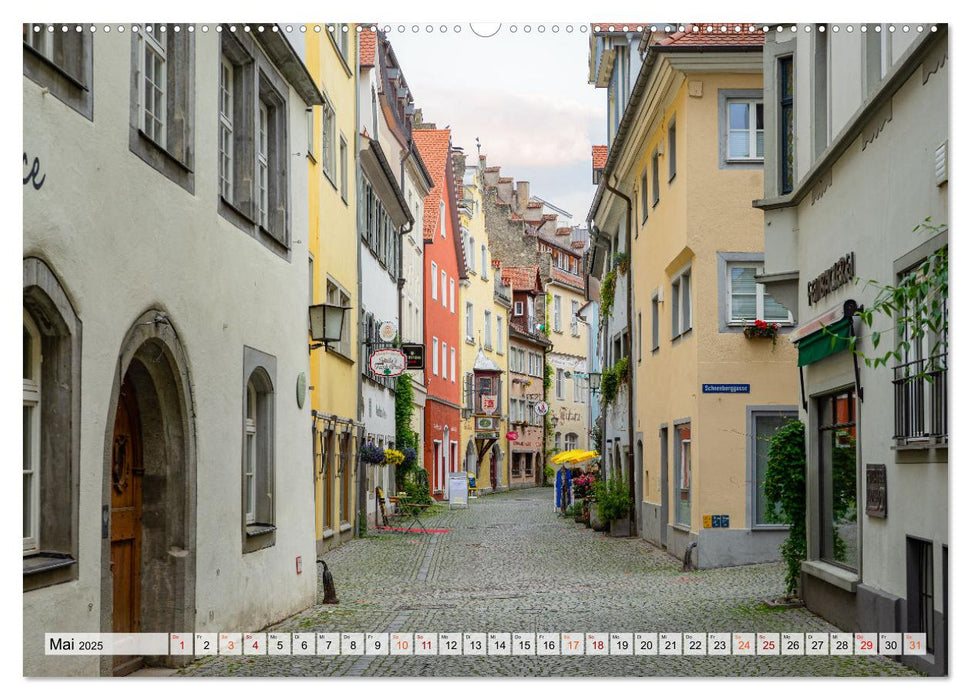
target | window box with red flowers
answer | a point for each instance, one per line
(761, 329)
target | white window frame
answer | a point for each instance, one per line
(262, 166)
(472, 253)
(470, 322)
(444, 360)
(343, 167)
(251, 458)
(147, 41)
(752, 130)
(444, 295)
(435, 356)
(574, 318)
(557, 313)
(452, 358)
(567, 441)
(681, 311)
(487, 330)
(451, 294)
(434, 280)
(559, 384)
(759, 298)
(32, 395)
(517, 309)
(499, 337)
(485, 262)
(226, 138)
(328, 152)
(441, 216)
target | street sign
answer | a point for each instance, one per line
(486, 423)
(388, 331)
(725, 388)
(542, 408)
(414, 355)
(486, 435)
(387, 363)
(490, 402)
(512, 436)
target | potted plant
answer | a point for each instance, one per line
(761, 329)
(372, 454)
(614, 504)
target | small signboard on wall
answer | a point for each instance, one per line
(876, 490)
(458, 489)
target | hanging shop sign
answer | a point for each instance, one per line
(490, 402)
(414, 355)
(388, 331)
(542, 408)
(486, 423)
(512, 436)
(840, 273)
(387, 363)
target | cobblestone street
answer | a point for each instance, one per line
(510, 564)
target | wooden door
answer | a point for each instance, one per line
(493, 476)
(126, 521)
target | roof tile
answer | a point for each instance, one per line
(522, 278)
(716, 34)
(599, 157)
(433, 146)
(367, 46)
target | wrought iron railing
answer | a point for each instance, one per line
(920, 399)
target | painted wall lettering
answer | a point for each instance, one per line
(31, 176)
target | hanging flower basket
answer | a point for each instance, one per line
(372, 454)
(761, 329)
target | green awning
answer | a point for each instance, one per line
(827, 341)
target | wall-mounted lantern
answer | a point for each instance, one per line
(326, 324)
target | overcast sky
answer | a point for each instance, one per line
(524, 95)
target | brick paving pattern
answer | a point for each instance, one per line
(510, 564)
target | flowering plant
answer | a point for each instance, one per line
(372, 454)
(393, 457)
(583, 485)
(761, 329)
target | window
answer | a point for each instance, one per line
(452, 351)
(485, 263)
(339, 33)
(836, 417)
(655, 321)
(226, 129)
(310, 133)
(328, 153)
(434, 280)
(787, 134)
(435, 356)
(51, 415)
(258, 433)
(444, 360)
(763, 427)
(487, 330)
(162, 97)
(441, 217)
(344, 470)
(444, 282)
(60, 61)
(672, 151)
(32, 428)
(559, 384)
(681, 304)
(748, 300)
(682, 489)
(517, 465)
(745, 130)
(472, 254)
(451, 294)
(469, 321)
(655, 180)
(343, 162)
(252, 148)
(152, 83)
(557, 313)
(920, 589)
(575, 318)
(337, 296)
(518, 309)
(644, 207)
(820, 91)
(572, 440)
(556, 441)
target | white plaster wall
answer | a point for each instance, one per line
(122, 238)
(845, 77)
(877, 197)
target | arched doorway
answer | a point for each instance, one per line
(148, 575)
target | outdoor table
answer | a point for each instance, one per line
(419, 509)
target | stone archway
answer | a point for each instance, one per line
(152, 366)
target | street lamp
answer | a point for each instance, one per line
(554, 420)
(594, 381)
(326, 324)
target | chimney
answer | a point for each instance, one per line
(522, 197)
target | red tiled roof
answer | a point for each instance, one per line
(563, 231)
(567, 278)
(522, 278)
(367, 46)
(717, 34)
(433, 147)
(515, 217)
(599, 157)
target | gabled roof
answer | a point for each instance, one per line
(599, 157)
(433, 147)
(522, 278)
(720, 34)
(366, 45)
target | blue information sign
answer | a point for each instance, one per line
(725, 388)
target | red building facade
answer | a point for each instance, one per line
(444, 268)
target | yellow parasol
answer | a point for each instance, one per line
(574, 456)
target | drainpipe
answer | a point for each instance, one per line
(361, 473)
(630, 354)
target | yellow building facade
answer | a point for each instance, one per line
(331, 58)
(485, 307)
(707, 396)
